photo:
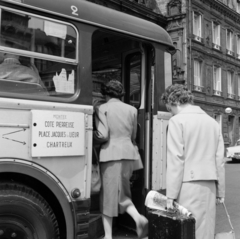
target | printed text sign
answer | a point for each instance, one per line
(57, 133)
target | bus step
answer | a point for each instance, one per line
(95, 229)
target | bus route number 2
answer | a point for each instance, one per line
(74, 10)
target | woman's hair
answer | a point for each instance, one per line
(177, 93)
(113, 88)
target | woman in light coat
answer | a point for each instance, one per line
(117, 158)
(195, 160)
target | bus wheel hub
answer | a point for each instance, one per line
(12, 228)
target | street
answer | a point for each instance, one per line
(232, 201)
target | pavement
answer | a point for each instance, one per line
(232, 201)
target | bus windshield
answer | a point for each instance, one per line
(38, 55)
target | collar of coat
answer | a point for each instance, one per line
(192, 109)
(114, 100)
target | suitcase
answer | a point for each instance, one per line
(165, 225)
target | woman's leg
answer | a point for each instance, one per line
(140, 220)
(107, 224)
(125, 201)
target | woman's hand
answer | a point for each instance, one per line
(219, 200)
(170, 204)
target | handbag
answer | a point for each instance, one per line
(226, 235)
(96, 178)
(137, 164)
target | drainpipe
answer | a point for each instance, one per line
(190, 42)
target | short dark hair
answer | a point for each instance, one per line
(113, 88)
(177, 93)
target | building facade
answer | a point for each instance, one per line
(206, 34)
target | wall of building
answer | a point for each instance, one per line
(189, 48)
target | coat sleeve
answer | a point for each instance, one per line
(220, 167)
(101, 134)
(175, 158)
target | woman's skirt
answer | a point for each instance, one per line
(115, 195)
(199, 197)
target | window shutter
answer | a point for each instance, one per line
(200, 25)
(229, 82)
(239, 85)
(218, 85)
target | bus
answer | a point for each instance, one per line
(54, 57)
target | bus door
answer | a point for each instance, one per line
(120, 57)
(134, 85)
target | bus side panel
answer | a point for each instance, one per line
(159, 158)
(15, 140)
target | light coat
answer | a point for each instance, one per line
(195, 151)
(122, 129)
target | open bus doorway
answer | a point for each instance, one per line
(115, 56)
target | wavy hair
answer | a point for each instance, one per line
(177, 93)
(113, 88)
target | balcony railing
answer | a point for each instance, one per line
(229, 52)
(216, 47)
(198, 88)
(197, 38)
(231, 96)
(217, 92)
(238, 56)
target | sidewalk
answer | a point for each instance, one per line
(123, 233)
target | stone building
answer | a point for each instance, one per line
(206, 34)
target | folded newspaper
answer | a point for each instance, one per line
(156, 200)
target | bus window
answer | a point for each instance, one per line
(107, 54)
(133, 78)
(168, 69)
(37, 55)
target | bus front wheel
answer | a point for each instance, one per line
(25, 214)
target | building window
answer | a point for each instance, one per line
(198, 75)
(218, 118)
(238, 46)
(238, 87)
(216, 35)
(238, 6)
(197, 25)
(230, 128)
(230, 82)
(217, 80)
(229, 42)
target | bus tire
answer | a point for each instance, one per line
(24, 213)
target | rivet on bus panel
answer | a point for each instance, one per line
(76, 193)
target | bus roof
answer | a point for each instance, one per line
(97, 15)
